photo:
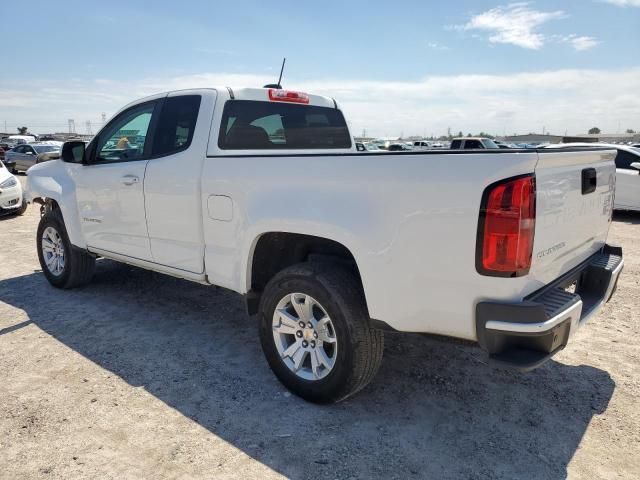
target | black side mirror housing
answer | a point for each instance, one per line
(73, 152)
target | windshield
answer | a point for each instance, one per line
(489, 143)
(45, 148)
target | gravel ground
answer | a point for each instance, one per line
(139, 375)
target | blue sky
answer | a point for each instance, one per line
(397, 67)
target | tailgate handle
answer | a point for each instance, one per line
(589, 180)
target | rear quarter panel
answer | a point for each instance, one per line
(410, 221)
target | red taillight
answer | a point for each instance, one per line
(506, 228)
(287, 96)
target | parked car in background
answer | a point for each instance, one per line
(422, 145)
(11, 198)
(398, 147)
(19, 139)
(373, 147)
(24, 156)
(627, 172)
(472, 143)
(501, 144)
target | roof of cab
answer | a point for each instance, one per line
(470, 138)
(259, 94)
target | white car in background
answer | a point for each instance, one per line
(11, 198)
(627, 173)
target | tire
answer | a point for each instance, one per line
(78, 266)
(358, 347)
(23, 207)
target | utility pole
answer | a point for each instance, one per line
(88, 124)
(72, 125)
(104, 118)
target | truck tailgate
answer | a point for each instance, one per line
(575, 192)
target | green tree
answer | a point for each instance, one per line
(23, 130)
(594, 131)
(485, 135)
(630, 130)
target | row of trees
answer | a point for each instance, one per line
(596, 131)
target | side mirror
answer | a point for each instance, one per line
(636, 165)
(73, 152)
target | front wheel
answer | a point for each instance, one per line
(63, 265)
(23, 207)
(315, 332)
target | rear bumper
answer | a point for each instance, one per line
(526, 334)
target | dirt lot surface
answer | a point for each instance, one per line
(139, 375)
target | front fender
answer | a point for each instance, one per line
(54, 180)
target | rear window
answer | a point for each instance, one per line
(472, 144)
(456, 144)
(253, 125)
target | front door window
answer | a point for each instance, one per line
(126, 138)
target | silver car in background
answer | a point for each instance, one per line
(22, 157)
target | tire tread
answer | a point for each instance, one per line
(367, 342)
(81, 263)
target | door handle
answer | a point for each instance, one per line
(130, 180)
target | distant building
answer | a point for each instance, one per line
(610, 138)
(533, 138)
(601, 137)
(64, 136)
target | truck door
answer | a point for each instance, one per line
(109, 188)
(172, 184)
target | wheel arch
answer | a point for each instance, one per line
(273, 251)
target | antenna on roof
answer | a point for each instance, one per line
(278, 85)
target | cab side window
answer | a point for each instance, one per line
(176, 124)
(471, 144)
(125, 138)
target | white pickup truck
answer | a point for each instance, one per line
(262, 191)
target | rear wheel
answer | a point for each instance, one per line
(63, 265)
(315, 332)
